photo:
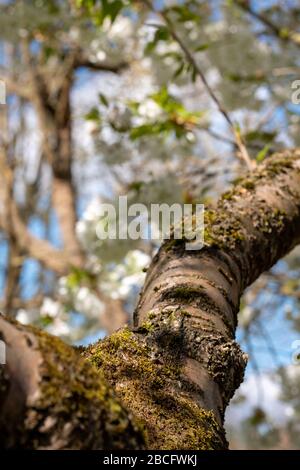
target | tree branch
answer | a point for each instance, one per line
(83, 61)
(12, 223)
(52, 399)
(281, 33)
(177, 369)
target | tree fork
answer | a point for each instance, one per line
(177, 368)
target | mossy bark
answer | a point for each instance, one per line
(175, 371)
(50, 398)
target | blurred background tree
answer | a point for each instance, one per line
(165, 101)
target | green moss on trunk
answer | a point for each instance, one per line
(150, 382)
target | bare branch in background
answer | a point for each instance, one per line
(12, 223)
(244, 155)
(282, 33)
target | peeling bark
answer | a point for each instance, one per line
(177, 369)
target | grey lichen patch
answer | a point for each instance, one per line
(221, 357)
(145, 368)
(223, 228)
(222, 231)
(198, 296)
(268, 220)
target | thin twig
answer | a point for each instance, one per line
(190, 58)
(282, 33)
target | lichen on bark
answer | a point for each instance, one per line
(145, 367)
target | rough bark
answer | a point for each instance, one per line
(177, 369)
(50, 398)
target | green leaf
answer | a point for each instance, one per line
(194, 74)
(185, 14)
(202, 47)
(161, 34)
(179, 70)
(78, 276)
(263, 153)
(103, 100)
(93, 115)
(156, 128)
(110, 9)
(45, 321)
(145, 129)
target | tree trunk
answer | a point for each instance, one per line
(177, 369)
